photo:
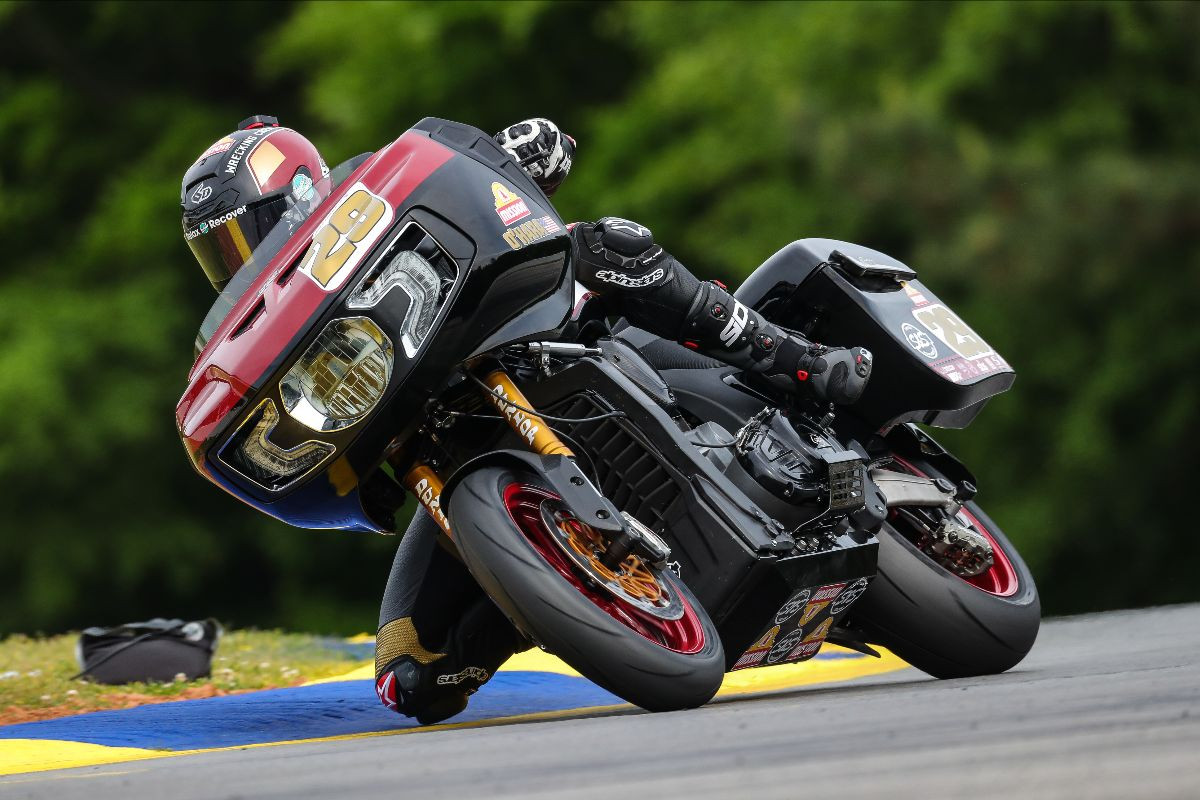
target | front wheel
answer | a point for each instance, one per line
(943, 624)
(635, 630)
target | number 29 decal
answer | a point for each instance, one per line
(354, 224)
(953, 332)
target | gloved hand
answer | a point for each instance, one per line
(826, 374)
(541, 149)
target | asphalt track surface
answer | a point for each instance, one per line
(1106, 705)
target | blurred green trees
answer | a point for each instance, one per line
(1035, 162)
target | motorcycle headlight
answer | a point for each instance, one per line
(340, 377)
(252, 453)
(414, 276)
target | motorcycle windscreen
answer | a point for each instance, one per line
(295, 212)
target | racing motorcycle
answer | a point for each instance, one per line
(653, 517)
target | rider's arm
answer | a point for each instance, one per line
(619, 260)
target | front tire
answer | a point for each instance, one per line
(947, 626)
(656, 664)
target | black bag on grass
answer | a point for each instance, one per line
(155, 650)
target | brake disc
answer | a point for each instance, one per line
(632, 581)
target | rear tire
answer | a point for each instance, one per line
(559, 614)
(940, 623)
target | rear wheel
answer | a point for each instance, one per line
(943, 624)
(633, 629)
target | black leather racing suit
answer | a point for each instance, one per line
(440, 637)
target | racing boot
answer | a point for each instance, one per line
(408, 687)
(435, 686)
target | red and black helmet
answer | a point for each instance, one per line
(238, 190)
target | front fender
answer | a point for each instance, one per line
(561, 473)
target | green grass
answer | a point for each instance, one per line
(35, 674)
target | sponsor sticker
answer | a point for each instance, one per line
(919, 340)
(917, 298)
(750, 660)
(959, 369)
(219, 146)
(794, 604)
(519, 419)
(244, 147)
(302, 186)
(758, 651)
(531, 231)
(820, 632)
(828, 592)
(804, 651)
(215, 222)
(784, 646)
(431, 498)
(510, 207)
(848, 596)
(810, 611)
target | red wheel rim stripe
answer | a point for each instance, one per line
(684, 635)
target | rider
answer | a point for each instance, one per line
(229, 204)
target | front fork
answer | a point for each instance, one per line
(426, 485)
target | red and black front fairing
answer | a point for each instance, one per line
(440, 175)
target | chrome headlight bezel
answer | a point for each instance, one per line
(341, 377)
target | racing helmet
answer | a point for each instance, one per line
(240, 188)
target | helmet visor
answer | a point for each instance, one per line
(223, 244)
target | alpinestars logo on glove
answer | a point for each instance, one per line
(608, 276)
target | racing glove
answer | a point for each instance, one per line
(620, 261)
(542, 150)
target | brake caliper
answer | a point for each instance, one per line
(961, 550)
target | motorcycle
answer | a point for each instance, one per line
(653, 517)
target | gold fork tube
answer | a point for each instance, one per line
(530, 427)
(426, 486)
